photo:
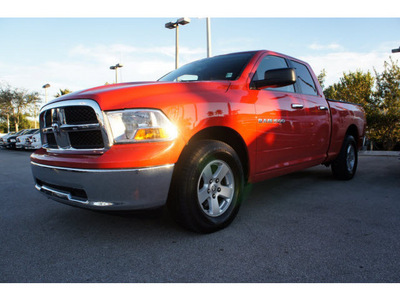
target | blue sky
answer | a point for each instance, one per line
(76, 53)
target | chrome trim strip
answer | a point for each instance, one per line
(86, 127)
(47, 129)
(67, 127)
(56, 193)
(102, 170)
(78, 102)
(76, 151)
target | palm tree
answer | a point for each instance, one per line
(62, 93)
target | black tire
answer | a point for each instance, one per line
(202, 206)
(344, 167)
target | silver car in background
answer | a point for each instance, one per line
(3, 139)
(33, 142)
(23, 139)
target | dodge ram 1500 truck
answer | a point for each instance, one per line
(194, 138)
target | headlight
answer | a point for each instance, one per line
(140, 125)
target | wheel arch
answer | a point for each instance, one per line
(353, 131)
(226, 135)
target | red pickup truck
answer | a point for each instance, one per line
(194, 138)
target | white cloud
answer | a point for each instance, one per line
(332, 46)
(88, 66)
(102, 53)
(335, 63)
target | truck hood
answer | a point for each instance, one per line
(145, 94)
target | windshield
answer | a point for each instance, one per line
(31, 131)
(21, 131)
(224, 67)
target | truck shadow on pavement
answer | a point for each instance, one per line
(262, 194)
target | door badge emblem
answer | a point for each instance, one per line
(277, 121)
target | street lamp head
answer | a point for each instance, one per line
(46, 86)
(170, 25)
(396, 50)
(116, 66)
(183, 21)
(116, 70)
(173, 25)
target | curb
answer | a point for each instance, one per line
(380, 153)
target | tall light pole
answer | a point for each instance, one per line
(172, 25)
(116, 71)
(46, 86)
(208, 37)
(34, 114)
(396, 50)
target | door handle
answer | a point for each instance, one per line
(323, 108)
(297, 106)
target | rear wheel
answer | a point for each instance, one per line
(345, 165)
(207, 187)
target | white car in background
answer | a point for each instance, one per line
(3, 138)
(34, 142)
(23, 139)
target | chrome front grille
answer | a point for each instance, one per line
(74, 125)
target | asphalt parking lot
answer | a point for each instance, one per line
(303, 227)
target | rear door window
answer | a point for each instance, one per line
(304, 79)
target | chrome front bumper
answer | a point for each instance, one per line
(105, 189)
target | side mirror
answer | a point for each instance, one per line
(276, 78)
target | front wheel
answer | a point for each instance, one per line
(345, 165)
(207, 187)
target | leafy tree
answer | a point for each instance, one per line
(15, 106)
(62, 93)
(388, 87)
(321, 78)
(381, 104)
(6, 96)
(385, 119)
(332, 91)
(356, 87)
(33, 106)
